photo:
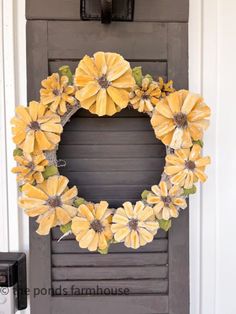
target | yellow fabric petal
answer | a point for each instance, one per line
(171, 170)
(101, 209)
(100, 62)
(195, 152)
(163, 188)
(88, 91)
(121, 234)
(34, 192)
(119, 96)
(52, 185)
(28, 145)
(62, 216)
(134, 240)
(101, 102)
(62, 184)
(202, 162)
(117, 70)
(87, 239)
(94, 243)
(46, 223)
(69, 195)
(23, 113)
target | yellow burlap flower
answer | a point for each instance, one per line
(30, 168)
(134, 225)
(144, 98)
(167, 200)
(104, 82)
(57, 93)
(51, 201)
(36, 128)
(180, 118)
(186, 166)
(92, 226)
(166, 88)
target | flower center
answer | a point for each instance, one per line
(145, 96)
(180, 120)
(54, 201)
(103, 82)
(166, 200)
(97, 226)
(30, 165)
(189, 164)
(133, 224)
(56, 92)
(34, 125)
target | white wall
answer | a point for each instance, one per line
(212, 46)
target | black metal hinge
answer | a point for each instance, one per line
(107, 10)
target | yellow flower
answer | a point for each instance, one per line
(186, 166)
(30, 168)
(166, 88)
(51, 201)
(57, 93)
(179, 118)
(167, 200)
(144, 98)
(134, 225)
(104, 83)
(36, 128)
(92, 226)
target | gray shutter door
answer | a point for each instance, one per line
(113, 158)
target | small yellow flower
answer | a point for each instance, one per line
(167, 200)
(57, 93)
(35, 128)
(92, 226)
(51, 201)
(180, 118)
(186, 166)
(166, 88)
(144, 98)
(134, 225)
(30, 168)
(104, 82)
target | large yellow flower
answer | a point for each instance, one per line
(57, 93)
(36, 128)
(180, 118)
(134, 225)
(92, 226)
(186, 166)
(166, 200)
(104, 83)
(30, 168)
(144, 98)
(51, 201)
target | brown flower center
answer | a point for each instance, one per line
(54, 201)
(103, 82)
(133, 224)
(189, 164)
(30, 165)
(180, 120)
(56, 92)
(34, 125)
(166, 200)
(145, 96)
(97, 226)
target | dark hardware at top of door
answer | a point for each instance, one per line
(107, 10)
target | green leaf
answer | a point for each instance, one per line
(145, 194)
(17, 152)
(193, 190)
(138, 76)
(79, 201)
(65, 228)
(50, 171)
(65, 70)
(104, 252)
(199, 142)
(148, 76)
(164, 224)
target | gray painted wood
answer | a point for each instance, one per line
(148, 10)
(143, 304)
(98, 273)
(111, 158)
(71, 246)
(128, 39)
(40, 247)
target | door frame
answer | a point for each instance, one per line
(202, 59)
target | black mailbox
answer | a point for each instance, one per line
(13, 285)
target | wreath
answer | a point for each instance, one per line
(105, 84)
